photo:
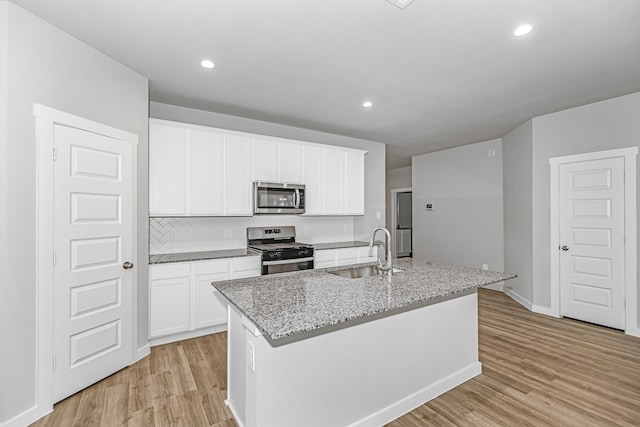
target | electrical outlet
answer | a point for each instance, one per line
(485, 266)
(228, 233)
(491, 153)
(251, 356)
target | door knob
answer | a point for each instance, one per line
(565, 248)
(127, 265)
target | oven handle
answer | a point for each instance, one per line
(287, 261)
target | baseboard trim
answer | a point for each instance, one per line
(547, 311)
(142, 352)
(187, 335)
(27, 417)
(420, 397)
(517, 298)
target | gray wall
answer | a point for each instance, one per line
(518, 211)
(396, 178)
(47, 66)
(374, 160)
(610, 124)
(465, 187)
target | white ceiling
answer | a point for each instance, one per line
(442, 73)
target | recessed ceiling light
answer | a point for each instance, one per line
(367, 104)
(400, 3)
(522, 30)
(207, 64)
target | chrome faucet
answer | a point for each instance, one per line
(387, 267)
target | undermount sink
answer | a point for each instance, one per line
(359, 272)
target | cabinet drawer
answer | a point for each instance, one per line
(211, 267)
(324, 256)
(167, 271)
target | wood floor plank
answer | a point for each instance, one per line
(537, 371)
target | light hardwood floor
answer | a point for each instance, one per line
(537, 371)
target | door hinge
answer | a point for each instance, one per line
(55, 154)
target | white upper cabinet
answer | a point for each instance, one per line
(206, 164)
(201, 171)
(313, 179)
(238, 185)
(277, 161)
(334, 180)
(198, 171)
(167, 170)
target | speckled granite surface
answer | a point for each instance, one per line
(338, 245)
(200, 256)
(285, 305)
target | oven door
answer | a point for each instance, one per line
(284, 265)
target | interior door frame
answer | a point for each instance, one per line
(394, 216)
(632, 326)
(46, 119)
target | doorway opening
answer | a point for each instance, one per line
(402, 222)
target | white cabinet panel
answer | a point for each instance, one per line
(167, 170)
(206, 173)
(249, 266)
(346, 256)
(290, 162)
(265, 160)
(354, 183)
(367, 254)
(238, 185)
(334, 181)
(313, 179)
(208, 309)
(169, 299)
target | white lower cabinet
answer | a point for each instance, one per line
(324, 258)
(182, 300)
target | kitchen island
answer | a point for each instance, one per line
(315, 349)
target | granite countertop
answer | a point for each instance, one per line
(338, 245)
(201, 256)
(287, 307)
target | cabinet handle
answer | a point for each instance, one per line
(127, 265)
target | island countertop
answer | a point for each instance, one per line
(286, 307)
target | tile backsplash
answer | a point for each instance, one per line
(193, 234)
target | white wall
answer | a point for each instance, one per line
(41, 64)
(465, 187)
(518, 211)
(396, 178)
(357, 227)
(614, 123)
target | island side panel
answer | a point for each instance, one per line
(364, 375)
(236, 365)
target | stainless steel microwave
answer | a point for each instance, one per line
(278, 198)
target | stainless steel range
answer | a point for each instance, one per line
(280, 251)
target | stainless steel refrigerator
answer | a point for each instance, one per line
(404, 224)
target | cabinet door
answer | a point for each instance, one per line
(206, 173)
(265, 160)
(208, 308)
(312, 169)
(290, 162)
(367, 254)
(169, 299)
(249, 266)
(346, 256)
(167, 170)
(324, 258)
(238, 185)
(334, 181)
(354, 183)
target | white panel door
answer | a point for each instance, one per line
(592, 280)
(93, 239)
(206, 173)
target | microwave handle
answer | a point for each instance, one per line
(297, 202)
